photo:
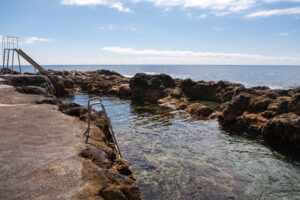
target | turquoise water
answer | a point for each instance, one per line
(275, 77)
(175, 157)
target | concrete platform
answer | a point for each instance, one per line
(39, 149)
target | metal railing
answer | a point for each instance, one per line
(111, 132)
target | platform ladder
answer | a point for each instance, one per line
(98, 101)
(9, 44)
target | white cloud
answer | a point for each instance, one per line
(119, 6)
(188, 57)
(215, 7)
(191, 16)
(221, 14)
(283, 34)
(33, 40)
(275, 1)
(267, 13)
(109, 3)
(231, 5)
(115, 27)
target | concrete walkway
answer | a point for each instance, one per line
(38, 149)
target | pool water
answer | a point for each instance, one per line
(176, 157)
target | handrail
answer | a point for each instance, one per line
(87, 132)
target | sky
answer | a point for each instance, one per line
(230, 32)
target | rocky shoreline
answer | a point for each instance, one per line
(271, 116)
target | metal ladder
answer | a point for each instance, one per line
(111, 132)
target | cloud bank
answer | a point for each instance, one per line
(267, 13)
(108, 3)
(247, 8)
(193, 57)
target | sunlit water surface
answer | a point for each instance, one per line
(175, 157)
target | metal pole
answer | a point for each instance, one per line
(12, 61)
(7, 59)
(89, 123)
(19, 63)
(3, 66)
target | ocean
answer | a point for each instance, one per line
(275, 77)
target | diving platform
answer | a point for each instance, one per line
(10, 49)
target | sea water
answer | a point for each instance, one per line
(275, 77)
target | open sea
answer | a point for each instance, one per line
(275, 77)
(176, 157)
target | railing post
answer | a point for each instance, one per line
(19, 63)
(4, 56)
(12, 61)
(7, 59)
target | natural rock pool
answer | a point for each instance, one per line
(176, 157)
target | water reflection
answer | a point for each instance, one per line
(180, 158)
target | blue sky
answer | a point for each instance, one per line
(155, 31)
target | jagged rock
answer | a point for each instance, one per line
(181, 105)
(251, 122)
(236, 107)
(8, 71)
(73, 109)
(280, 105)
(30, 80)
(294, 104)
(60, 89)
(259, 104)
(221, 91)
(199, 110)
(32, 90)
(97, 156)
(68, 83)
(77, 110)
(120, 91)
(107, 72)
(122, 166)
(284, 130)
(53, 101)
(150, 87)
(111, 185)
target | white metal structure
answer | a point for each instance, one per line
(9, 44)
